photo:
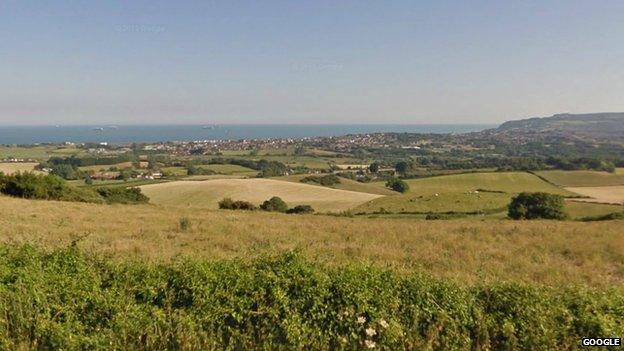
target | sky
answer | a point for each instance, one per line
(411, 62)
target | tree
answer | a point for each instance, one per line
(402, 167)
(397, 185)
(274, 204)
(536, 205)
(374, 167)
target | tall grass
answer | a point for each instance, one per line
(69, 300)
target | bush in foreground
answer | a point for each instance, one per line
(274, 204)
(536, 206)
(70, 300)
(229, 204)
(301, 209)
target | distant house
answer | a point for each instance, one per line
(143, 164)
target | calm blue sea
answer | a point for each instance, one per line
(153, 133)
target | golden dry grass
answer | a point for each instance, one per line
(601, 194)
(10, 167)
(207, 194)
(468, 251)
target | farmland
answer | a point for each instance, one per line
(206, 194)
(10, 168)
(471, 192)
(601, 194)
(582, 178)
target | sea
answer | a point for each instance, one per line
(20, 135)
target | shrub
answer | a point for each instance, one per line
(274, 204)
(301, 209)
(397, 185)
(185, 224)
(229, 204)
(68, 299)
(123, 195)
(326, 180)
(44, 187)
(536, 205)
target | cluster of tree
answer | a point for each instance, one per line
(194, 170)
(274, 204)
(537, 206)
(397, 185)
(326, 180)
(50, 187)
(581, 163)
(265, 167)
(90, 161)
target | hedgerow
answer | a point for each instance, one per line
(68, 299)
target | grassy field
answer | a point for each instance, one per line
(467, 251)
(583, 178)
(578, 209)
(10, 168)
(347, 184)
(39, 152)
(469, 192)
(206, 194)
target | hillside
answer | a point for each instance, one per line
(593, 125)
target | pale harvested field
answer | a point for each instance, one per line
(471, 251)
(601, 194)
(14, 167)
(207, 194)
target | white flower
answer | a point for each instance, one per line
(361, 319)
(370, 331)
(370, 344)
(384, 324)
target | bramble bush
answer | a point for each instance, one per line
(537, 205)
(69, 299)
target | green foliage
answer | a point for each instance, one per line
(301, 209)
(536, 205)
(326, 180)
(397, 185)
(123, 195)
(43, 187)
(403, 167)
(274, 204)
(71, 300)
(229, 204)
(374, 167)
(194, 170)
(185, 224)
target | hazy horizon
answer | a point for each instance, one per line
(308, 62)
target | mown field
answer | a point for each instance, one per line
(470, 192)
(206, 194)
(582, 178)
(378, 188)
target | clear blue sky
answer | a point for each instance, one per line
(92, 62)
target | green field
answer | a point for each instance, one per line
(582, 178)
(206, 194)
(471, 192)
